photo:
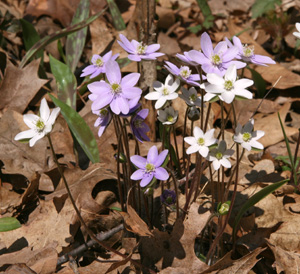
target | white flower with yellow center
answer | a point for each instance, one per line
(200, 142)
(297, 34)
(227, 87)
(219, 156)
(164, 92)
(247, 137)
(168, 116)
(39, 125)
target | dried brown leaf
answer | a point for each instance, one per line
(19, 86)
(134, 223)
(176, 249)
(285, 261)
(228, 266)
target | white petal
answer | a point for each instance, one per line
(190, 140)
(169, 80)
(243, 83)
(227, 96)
(215, 79)
(160, 102)
(198, 133)
(53, 116)
(246, 145)
(243, 92)
(44, 110)
(225, 163)
(172, 96)
(27, 134)
(214, 89)
(216, 164)
(256, 144)
(203, 151)
(36, 138)
(153, 95)
(30, 120)
(259, 134)
(175, 85)
(231, 73)
(192, 149)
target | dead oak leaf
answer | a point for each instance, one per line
(19, 86)
(176, 249)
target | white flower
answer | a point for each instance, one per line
(190, 97)
(297, 34)
(247, 137)
(168, 116)
(200, 142)
(228, 87)
(39, 125)
(218, 156)
(164, 92)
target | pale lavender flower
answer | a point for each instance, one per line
(117, 92)
(246, 53)
(138, 51)
(190, 97)
(138, 127)
(227, 87)
(39, 125)
(219, 156)
(186, 58)
(184, 73)
(297, 34)
(164, 92)
(150, 167)
(103, 120)
(201, 141)
(98, 64)
(247, 137)
(215, 60)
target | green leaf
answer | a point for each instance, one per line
(116, 15)
(9, 223)
(206, 11)
(56, 35)
(76, 41)
(66, 82)
(259, 83)
(254, 200)
(260, 7)
(80, 130)
(195, 29)
(30, 36)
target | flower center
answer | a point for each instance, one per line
(99, 62)
(169, 200)
(40, 125)
(141, 49)
(216, 59)
(170, 118)
(200, 141)
(228, 85)
(185, 72)
(103, 112)
(115, 88)
(149, 168)
(165, 91)
(193, 98)
(138, 123)
(248, 51)
(247, 136)
(219, 155)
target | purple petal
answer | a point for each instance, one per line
(206, 45)
(102, 101)
(131, 92)
(146, 180)
(134, 57)
(161, 174)
(107, 56)
(97, 72)
(230, 54)
(99, 87)
(143, 113)
(137, 175)
(197, 57)
(262, 60)
(138, 161)
(161, 158)
(123, 104)
(88, 70)
(237, 42)
(125, 44)
(152, 48)
(221, 47)
(130, 80)
(152, 155)
(113, 72)
(115, 107)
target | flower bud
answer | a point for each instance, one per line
(194, 113)
(224, 208)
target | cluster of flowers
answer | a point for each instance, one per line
(119, 96)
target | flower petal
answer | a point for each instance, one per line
(153, 95)
(113, 72)
(130, 80)
(138, 161)
(225, 163)
(44, 110)
(161, 174)
(27, 134)
(137, 175)
(206, 45)
(152, 155)
(53, 116)
(192, 149)
(30, 120)
(146, 180)
(160, 158)
(35, 139)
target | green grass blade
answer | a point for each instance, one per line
(9, 223)
(66, 82)
(56, 35)
(80, 130)
(76, 41)
(254, 200)
(259, 83)
(116, 15)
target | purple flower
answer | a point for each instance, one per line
(103, 120)
(138, 51)
(246, 53)
(184, 73)
(186, 58)
(150, 167)
(168, 197)
(215, 60)
(138, 127)
(117, 92)
(98, 64)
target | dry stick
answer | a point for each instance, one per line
(102, 236)
(90, 233)
(184, 132)
(176, 192)
(177, 151)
